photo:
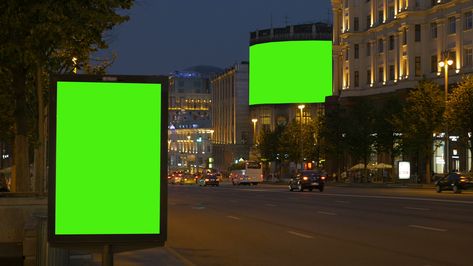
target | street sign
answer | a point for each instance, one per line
(107, 161)
(404, 170)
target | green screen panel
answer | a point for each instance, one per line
(108, 158)
(290, 72)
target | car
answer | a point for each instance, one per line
(208, 180)
(308, 179)
(175, 178)
(187, 179)
(455, 181)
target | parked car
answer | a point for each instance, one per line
(308, 179)
(208, 180)
(455, 181)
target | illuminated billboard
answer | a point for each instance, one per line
(107, 160)
(290, 72)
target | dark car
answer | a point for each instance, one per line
(455, 181)
(308, 180)
(208, 180)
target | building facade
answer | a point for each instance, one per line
(190, 124)
(387, 46)
(230, 112)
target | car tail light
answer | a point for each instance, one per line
(206, 180)
(322, 177)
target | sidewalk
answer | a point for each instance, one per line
(146, 257)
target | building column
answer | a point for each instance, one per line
(458, 41)
(396, 55)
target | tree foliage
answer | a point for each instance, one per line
(420, 118)
(41, 36)
(459, 112)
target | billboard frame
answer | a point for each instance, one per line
(120, 242)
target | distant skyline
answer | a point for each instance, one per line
(167, 35)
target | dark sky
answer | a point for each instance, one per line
(166, 35)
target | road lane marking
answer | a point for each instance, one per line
(198, 207)
(427, 228)
(271, 205)
(300, 235)
(417, 209)
(327, 213)
(394, 198)
(233, 217)
(342, 201)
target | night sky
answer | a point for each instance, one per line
(166, 35)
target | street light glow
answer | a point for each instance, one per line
(301, 106)
(441, 64)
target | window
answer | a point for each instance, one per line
(391, 72)
(357, 79)
(433, 64)
(380, 74)
(468, 21)
(346, 54)
(433, 30)
(417, 66)
(368, 76)
(380, 46)
(356, 24)
(380, 16)
(404, 35)
(417, 33)
(368, 49)
(357, 51)
(391, 42)
(468, 57)
(368, 21)
(452, 26)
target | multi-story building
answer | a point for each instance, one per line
(230, 116)
(190, 125)
(388, 46)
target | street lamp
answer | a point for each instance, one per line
(301, 107)
(254, 120)
(445, 64)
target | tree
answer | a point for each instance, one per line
(270, 145)
(387, 134)
(39, 36)
(360, 131)
(459, 112)
(298, 143)
(420, 119)
(332, 136)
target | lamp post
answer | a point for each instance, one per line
(445, 64)
(301, 107)
(254, 120)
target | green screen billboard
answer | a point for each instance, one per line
(290, 72)
(109, 160)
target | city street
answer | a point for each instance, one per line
(268, 225)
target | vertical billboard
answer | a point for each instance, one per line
(107, 165)
(288, 72)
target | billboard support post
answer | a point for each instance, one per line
(107, 256)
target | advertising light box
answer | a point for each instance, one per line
(108, 160)
(290, 72)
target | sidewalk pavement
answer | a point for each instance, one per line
(146, 257)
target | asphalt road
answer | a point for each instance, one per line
(268, 225)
